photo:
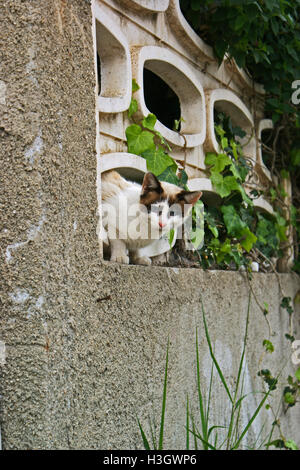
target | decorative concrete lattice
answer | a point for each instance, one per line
(134, 35)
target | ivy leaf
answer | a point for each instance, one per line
(268, 378)
(224, 185)
(292, 52)
(214, 230)
(138, 140)
(183, 177)
(290, 444)
(274, 24)
(286, 304)
(157, 160)
(224, 143)
(281, 227)
(289, 398)
(264, 227)
(297, 374)
(219, 130)
(233, 145)
(266, 309)
(233, 222)
(211, 223)
(217, 161)
(249, 239)
(268, 345)
(239, 22)
(278, 443)
(244, 195)
(235, 171)
(169, 176)
(135, 86)
(149, 121)
(226, 246)
(133, 107)
(163, 141)
(290, 337)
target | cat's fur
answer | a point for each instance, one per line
(153, 200)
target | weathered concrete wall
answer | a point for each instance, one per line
(86, 340)
(48, 195)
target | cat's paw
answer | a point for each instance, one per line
(124, 259)
(143, 260)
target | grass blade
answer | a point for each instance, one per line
(214, 427)
(204, 442)
(194, 434)
(145, 440)
(200, 396)
(153, 433)
(213, 356)
(209, 392)
(163, 409)
(233, 409)
(251, 421)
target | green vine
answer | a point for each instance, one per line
(235, 233)
(263, 37)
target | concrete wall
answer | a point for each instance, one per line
(86, 340)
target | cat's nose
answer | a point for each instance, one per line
(161, 224)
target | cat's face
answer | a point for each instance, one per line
(167, 205)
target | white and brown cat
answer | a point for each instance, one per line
(135, 215)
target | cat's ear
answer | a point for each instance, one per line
(190, 197)
(151, 183)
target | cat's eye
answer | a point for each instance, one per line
(171, 213)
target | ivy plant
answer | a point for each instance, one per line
(234, 230)
(263, 37)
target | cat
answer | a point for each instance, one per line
(135, 215)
